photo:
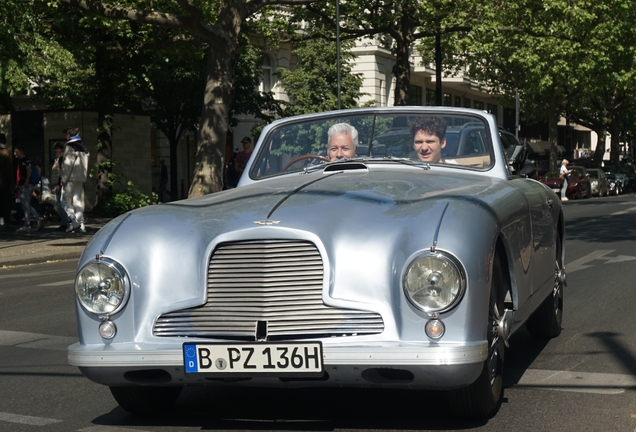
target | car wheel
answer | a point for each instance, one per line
(483, 398)
(546, 321)
(145, 400)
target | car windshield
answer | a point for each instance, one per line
(312, 142)
(592, 174)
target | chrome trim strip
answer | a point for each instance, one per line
(389, 355)
(102, 250)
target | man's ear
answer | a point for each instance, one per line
(443, 143)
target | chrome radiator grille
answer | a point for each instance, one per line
(266, 290)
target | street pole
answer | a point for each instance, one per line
(517, 114)
(338, 49)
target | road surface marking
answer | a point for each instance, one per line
(579, 264)
(35, 340)
(629, 210)
(42, 273)
(109, 429)
(580, 382)
(66, 282)
(27, 420)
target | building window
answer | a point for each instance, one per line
(430, 97)
(415, 95)
(492, 109)
(466, 103)
(479, 105)
(458, 101)
(447, 100)
(266, 75)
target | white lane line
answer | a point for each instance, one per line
(629, 210)
(109, 429)
(27, 420)
(35, 340)
(42, 273)
(69, 282)
(579, 382)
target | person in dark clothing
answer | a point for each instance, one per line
(26, 183)
(6, 183)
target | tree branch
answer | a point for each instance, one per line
(192, 23)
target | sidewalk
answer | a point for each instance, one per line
(36, 247)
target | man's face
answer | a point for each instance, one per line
(17, 153)
(341, 147)
(247, 146)
(428, 147)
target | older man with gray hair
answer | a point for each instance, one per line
(343, 139)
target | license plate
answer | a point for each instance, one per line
(556, 190)
(253, 358)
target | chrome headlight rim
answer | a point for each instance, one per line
(122, 275)
(444, 256)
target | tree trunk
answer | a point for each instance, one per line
(402, 73)
(553, 132)
(600, 146)
(615, 149)
(104, 128)
(219, 90)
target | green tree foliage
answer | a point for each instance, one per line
(398, 24)
(541, 49)
(311, 84)
(29, 54)
(217, 26)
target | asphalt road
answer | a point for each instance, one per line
(585, 380)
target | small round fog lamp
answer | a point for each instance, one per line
(107, 329)
(435, 329)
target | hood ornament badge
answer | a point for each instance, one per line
(267, 222)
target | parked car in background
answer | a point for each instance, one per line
(630, 174)
(578, 183)
(615, 183)
(371, 271)
(598, 181)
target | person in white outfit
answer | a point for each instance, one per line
(73, 175)
(563, 174)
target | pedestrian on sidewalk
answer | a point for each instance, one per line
(7, 183)
(563, 174)
(72, 177)
(56, 187)
(26, 178)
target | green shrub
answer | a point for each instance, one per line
(121, 196)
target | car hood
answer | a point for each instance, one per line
(366, 224)
(337, 202)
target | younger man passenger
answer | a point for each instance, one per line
(429, 138)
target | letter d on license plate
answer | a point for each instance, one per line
(255, 358)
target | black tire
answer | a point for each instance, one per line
(546, 321)
(145, 400)
(482, 399)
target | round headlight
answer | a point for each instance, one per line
(434, 282)
(102, 287)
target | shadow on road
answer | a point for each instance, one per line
(322, 409)
(602, 229)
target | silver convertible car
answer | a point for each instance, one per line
(378, 247)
